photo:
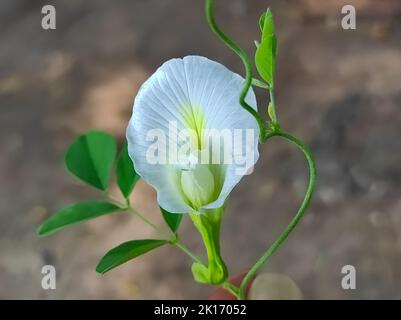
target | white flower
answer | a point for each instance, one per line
(187, 103)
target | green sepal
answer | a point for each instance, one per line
(208, 224)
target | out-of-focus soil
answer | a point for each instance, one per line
(338, 90)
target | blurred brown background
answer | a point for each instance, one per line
(338, 90)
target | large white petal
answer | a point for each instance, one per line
(182, 89)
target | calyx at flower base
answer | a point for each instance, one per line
(208, 224)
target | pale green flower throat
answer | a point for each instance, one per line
(200, 186)
(198, 183)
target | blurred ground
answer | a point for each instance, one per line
(339, 91)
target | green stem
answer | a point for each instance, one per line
(126, 207)
(272, 111)
(174, 241)
(147, 221)
(234, 290)
(184, 249)
(308, 196)
(248, 67)
(115, 200)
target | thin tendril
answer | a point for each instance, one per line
(248, 67)
(308, 196)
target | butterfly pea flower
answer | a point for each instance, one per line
(191, 140)
(197, 94)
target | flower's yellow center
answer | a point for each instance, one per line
(198, 186)
(195, 121)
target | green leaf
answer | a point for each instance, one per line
(172, 219)
(262, 21)
(74, 214)
(125, 252)
(126, 174)
(266, 24)
(265, 59)
(90, 157)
